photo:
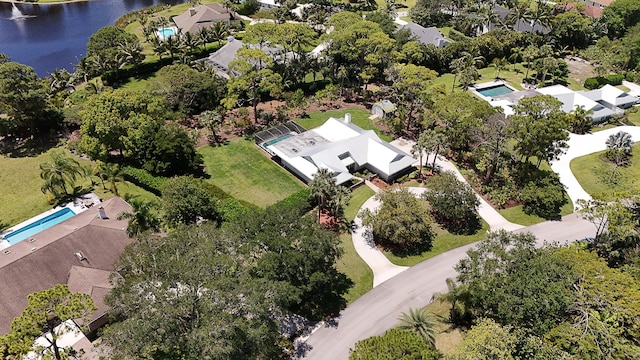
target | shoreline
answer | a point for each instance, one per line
(42, 3)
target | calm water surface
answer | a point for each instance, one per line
(51, 36)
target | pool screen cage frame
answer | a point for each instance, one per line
(275, 132)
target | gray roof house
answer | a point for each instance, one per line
(51, 257)
(382, 108)
(427, 36)
(221, 59)
(203, 16)
(520, 25)
(341, 147)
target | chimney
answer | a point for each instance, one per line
(101, 213)
(347, 118)
(192, 11)
(80, 255)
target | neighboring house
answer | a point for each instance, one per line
(341, 147)
(573, 99)
(203, 16)
(520, 25)
(598, 3)
(221, 59)
(268, 4)
(382, 108)
(611, 97)
(591, 11)
(80, 252)
(427, 36)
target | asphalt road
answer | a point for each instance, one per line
(378, 310)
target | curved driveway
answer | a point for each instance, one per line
(580, 145)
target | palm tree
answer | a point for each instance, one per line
(466, 67)
(59, 173)
(339, 199)
(420, 146)
(437, 143)
(500, 64)
(219, 31)
(321, 188)
(422, 322)
(516, 56)
(530, 53)
(579, 120)
(619, 147)
(113, 174)
(212, 120)
(141, 218)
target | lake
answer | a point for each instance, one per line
(54, 36)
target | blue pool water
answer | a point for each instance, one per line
(277, 140)
(29, 230)
(166, 32)
(495, 90)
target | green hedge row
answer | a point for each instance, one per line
(144, 179)
(298, 199)
(600, 81)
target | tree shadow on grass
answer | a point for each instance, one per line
(16, 147)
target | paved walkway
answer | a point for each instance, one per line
(634, 89)
(580, 145)
(382, 268)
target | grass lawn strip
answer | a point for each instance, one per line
(443, 242)
(591, 173)
(516, 215)
(20, 184)
(359, 117)
(243, 171)
(350, 263)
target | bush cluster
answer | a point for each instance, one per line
(600, 81)
(144, 179)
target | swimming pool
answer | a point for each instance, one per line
(37, 226)
(495, 90)
(277, 140)
(165, 33)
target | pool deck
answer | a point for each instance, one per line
(78, 205)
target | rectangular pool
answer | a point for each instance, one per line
(37, 226)
(495, 90)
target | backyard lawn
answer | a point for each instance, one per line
(598, 179)
(350, 263)
(20, 188)
(245, 172)
(516, 215)
(359, 117)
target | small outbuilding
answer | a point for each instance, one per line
(382, 108)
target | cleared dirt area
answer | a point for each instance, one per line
(579, 69)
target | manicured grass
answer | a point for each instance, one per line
(633, 117)
(350, 263)
(242, 170)
(517, 216)
(443, 242)
(592, 174)
(359, 117)
(448, 337)
(20, 184)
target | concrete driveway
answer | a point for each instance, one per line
(580, 145)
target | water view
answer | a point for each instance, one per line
(50, 36)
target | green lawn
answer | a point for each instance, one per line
(350, 263)
(359, 117)
(242, 170)
(517, 216)
(443, 242)
(20, 187)
(513, 78)
(595, 176)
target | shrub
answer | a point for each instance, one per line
(615, 79)
(144, 179)
(591, 83)
(543, 197)
(299, 200)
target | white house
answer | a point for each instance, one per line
(611, 97)
(573, 99)
(341, 147)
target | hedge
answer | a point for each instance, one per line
(144, 179)
(298, 199)
(598, 82)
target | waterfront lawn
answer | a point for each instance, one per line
(20, 184)
(443, 242)
(359, 117)
(245, 172)
(598, 179)
(350, 263)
